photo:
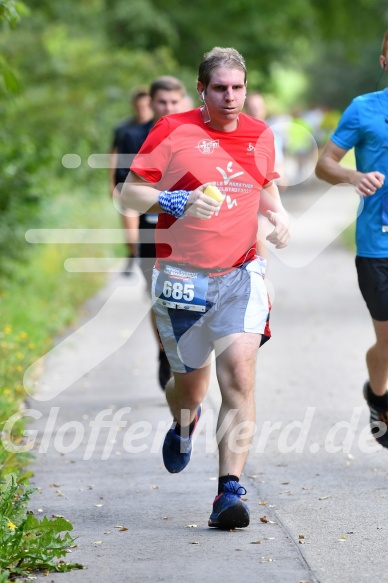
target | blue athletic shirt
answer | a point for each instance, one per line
(364, 127)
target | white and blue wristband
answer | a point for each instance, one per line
(173, 202)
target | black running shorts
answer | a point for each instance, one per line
(373, 282)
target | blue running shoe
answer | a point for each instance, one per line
(176, 449)
(229, 511)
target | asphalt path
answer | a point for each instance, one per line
(316, 481)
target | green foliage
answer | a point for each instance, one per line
(27, 543)
(15, 356)
(345, 75)
(9, 82)
(41, 298)
(11, 11)
(355, 24)
(73, 90)
(140, 25)
(20, 190)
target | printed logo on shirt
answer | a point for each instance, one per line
(228, 174)
(208, 146)
(250, 149)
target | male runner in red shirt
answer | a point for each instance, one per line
(208, 287)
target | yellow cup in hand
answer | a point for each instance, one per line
(214, 192)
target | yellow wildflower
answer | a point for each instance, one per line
(7, 330)
(11, 526)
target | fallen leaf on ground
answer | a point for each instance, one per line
(97, 542)
(153, 487)
(98, 505)
(191, 526)
(256, 542)
(324, 497)
(262, 503)
(194, 543)
(263, 519)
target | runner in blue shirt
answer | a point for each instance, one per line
(364, 127)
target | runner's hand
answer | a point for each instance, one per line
(201, 206)
(369, 183)
(280, 236)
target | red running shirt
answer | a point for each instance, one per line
(181, 153)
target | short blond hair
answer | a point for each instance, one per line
(220, 57)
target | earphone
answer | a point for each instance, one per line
(203, 96)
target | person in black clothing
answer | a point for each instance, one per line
(167, 94)
(142, 111)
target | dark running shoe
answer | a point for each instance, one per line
(177, 450)
(378, 420)
(229, 511)
(164, 370)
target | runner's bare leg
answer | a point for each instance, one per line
(236, 376)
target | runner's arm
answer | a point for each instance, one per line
(142, 196)
(329, 169)
(271, 206)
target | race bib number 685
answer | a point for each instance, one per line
(181, 289)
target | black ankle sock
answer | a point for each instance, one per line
(223, 479)
(182, 431)
(380, 403)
